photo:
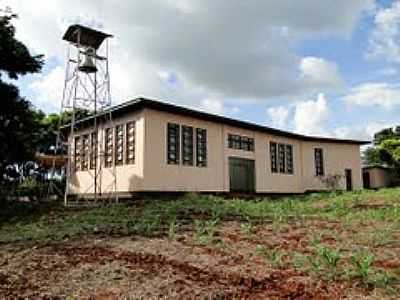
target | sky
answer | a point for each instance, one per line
(327, 68)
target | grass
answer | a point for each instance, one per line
(335, 227)
(24, 221)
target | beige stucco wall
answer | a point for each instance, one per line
(158, 175)
(337, 158)
(379, 177)
(152, 173)
(129, 177)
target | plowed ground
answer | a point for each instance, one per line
(227, 267)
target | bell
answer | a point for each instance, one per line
(88, 66)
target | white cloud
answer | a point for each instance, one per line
(212, 105)
(48, 89)
(252, 58)
(278, 116)
(365, 131)
(384, 41)
(388, 71)
(374, 94)
(316, 71)
(310, 116)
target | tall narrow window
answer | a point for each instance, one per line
(273, 155)
(251, 144)
(289, 159)
(319, 161)
(130, 142)
(187, 145)
(108, 150)
(85, 152)
(201, 147)
(93, 150)
(281, 158)
(173, 144)
(77, 153)
(119, 144)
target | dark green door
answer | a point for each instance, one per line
(241, 175)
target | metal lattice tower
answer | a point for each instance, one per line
(87, 88)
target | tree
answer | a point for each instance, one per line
(386, 133)
(390, 150)
(19, 126)
(372, 156)
(15, 59)
(386, 149)
(48, 135)
(49, 127)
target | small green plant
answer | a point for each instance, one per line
(205, 231)
(315, 239)
(147, 225)
(172, 230)
(316, 265)
(299, 260)
(383, 279)
(326, 260)
(361, 263)
(370, 277)
(274, 256)
(247, 227)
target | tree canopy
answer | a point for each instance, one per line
(19, 122)
(15, 58)
(386, 149)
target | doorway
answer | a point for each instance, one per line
(349, 180)
(241, 175)
(366, 180)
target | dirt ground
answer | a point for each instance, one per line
(229, 266)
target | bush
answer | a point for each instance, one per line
(32, 189)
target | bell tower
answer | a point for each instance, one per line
(86, 93)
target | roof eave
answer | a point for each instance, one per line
(140, 102)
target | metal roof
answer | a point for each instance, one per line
(140, 103)
(87, 36)
(376, 167)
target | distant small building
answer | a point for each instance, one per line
(375, 177)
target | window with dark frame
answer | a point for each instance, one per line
(130, 142)
(173, 144)
(201, 147)
(281, 158)
(85, 153)
(77, 153)
(119, 144)
(108, 149)
(289, 159)
(240, 142)
(273, 156)
(187, 145)
(234, 141)
(319, 161)
(93, 150)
